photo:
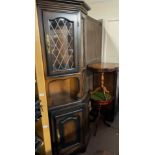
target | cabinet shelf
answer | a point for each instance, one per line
(62, 99)
(63, 91)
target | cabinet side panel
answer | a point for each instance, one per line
(93, 40)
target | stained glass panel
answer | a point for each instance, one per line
(60, 44)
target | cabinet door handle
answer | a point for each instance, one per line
(58, 135)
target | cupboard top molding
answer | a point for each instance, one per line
(63, 5)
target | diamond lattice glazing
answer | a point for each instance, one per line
(61, 44)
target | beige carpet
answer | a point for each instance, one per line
(106, 141)
(103, 153)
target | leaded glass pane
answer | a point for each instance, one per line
(60, 44)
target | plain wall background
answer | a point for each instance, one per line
(108, 12)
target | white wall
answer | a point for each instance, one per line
(108, 11)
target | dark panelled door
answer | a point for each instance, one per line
(68, 130)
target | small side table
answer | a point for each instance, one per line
(101, 68)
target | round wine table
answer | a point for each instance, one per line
(101, 68)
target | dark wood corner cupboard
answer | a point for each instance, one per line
(64, 49)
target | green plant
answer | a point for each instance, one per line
(100, 96)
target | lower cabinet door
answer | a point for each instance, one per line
(67, 130)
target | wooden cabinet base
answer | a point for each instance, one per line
(69, 127)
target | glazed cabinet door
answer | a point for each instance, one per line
(61, 39)
(67, 130)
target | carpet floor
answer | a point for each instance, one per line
(106, 141)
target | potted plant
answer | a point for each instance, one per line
(101, 96)
(101, 99)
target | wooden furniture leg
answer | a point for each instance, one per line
(97, 120)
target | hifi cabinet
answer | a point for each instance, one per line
(62, 56)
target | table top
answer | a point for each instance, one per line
(103, 67)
